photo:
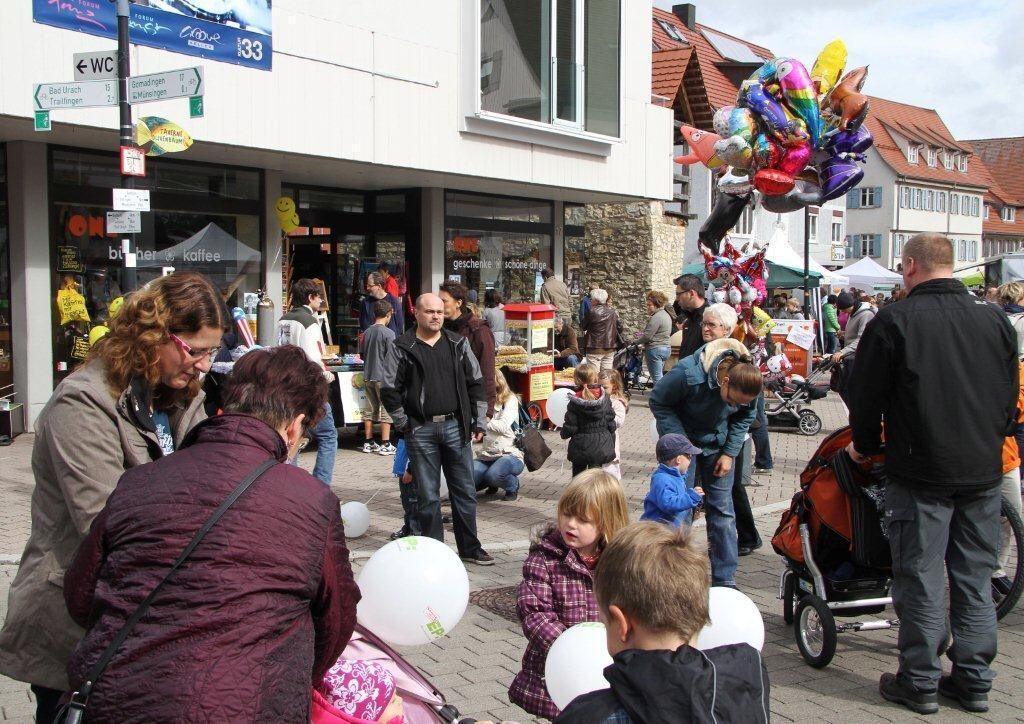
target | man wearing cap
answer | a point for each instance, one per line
(860, 314)
(670, 500)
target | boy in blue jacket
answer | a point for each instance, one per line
(670, 500)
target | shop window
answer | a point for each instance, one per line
(389, 203)
(6, 354)
(497, 208)
(552, 61)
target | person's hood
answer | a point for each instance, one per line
(687, 685)
(715, 351)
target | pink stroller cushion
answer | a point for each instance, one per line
(359, 689)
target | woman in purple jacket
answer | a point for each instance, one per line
(266, 602)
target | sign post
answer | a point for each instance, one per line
(86, 94)
(124, 71)
(182, 83)
(95, 66)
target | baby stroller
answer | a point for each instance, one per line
(791, 401)
(838, 562)
(629, 363)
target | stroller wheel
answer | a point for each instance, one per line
(815, 631)
(1012, 538)
(810, 423)
(788, 598)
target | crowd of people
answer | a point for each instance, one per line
(161, 499)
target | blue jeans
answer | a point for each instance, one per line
(762, 443)
(721, 519)
(656, 357)
(562, 362)
(831, 342)
(326, 436)
(432, 447)
(501, 473)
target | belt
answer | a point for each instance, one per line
(442, 418)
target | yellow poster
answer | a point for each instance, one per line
(541, 385)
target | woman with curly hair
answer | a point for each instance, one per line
(133, 402)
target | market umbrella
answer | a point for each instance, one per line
(211, 251)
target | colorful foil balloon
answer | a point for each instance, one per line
(828, 67)
(723, 216)
(702, 147)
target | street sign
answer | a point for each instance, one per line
(42, 122)
(131, 200)
(133, 161)
(95, 66)
(161, 86)
(195, 107)
(87, 94)
(124, 222)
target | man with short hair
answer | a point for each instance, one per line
(434, 391)
(459, 318)
(553, 291)
(940, 368)
(375, 291)
(689, 307)
(567, 347)
(301, 328)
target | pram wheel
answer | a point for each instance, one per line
(788, 598)
(810, 423)
(1012, 535)
(815, 631)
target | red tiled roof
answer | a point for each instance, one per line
(1004, 158)
(667, 69)
(715, 89)
(997, 196)
(924, 126)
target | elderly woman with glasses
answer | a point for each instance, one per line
(134, 401)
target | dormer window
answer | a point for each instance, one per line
(1007, 214)
(961, 163)
(933, 157)
(947, 160)
(912, 154)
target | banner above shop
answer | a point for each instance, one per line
(229, 31)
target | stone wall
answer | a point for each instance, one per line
(628, 249)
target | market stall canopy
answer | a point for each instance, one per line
(780, 276)
(781, 253)
(869, 273)
(211, 250)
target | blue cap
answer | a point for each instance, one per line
(673, 445)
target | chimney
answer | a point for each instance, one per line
(687, 12)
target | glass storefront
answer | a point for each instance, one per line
(495, 242)
(204, 218)
(6, 354)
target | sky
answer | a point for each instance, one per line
(962, 58)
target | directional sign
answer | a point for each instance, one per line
(87, 94)
(124, 222)
(95, 66)
(131, 200)
(161, 86)
(42, 121)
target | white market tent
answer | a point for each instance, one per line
(869, 273)
(780, 252)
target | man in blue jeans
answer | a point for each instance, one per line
(434, 391)
(301, 328)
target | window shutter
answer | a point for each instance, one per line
(877, 197)
(852, 242)
(874, 245)
(853, 199)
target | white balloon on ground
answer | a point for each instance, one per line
(557, 404)
(414, 589)
(735, 619)
(576, 662)
(356, 517)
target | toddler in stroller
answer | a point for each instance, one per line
(791, 395)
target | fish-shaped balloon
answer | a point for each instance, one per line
(702, 147)
(828, 67)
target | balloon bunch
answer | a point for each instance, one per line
(795, 137)
(743, 277)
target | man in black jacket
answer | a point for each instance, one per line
(434, 391)
(940, 368)
(689, 307)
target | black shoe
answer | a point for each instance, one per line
(894, 689)
(953, 688)
(1001, 586)
(511, 494)
(446, 520)
(747, 550)
(491, 490)
(481, 558)
(400, 533)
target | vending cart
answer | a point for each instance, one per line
(528, 355)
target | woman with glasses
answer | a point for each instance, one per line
(133, 402)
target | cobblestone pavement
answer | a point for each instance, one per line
(475, 663)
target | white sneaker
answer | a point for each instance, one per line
(387, 449)
(370, 447)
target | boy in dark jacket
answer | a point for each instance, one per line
(652, 595)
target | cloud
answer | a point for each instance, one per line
(961, 58)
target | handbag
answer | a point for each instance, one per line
(529, 440)
(74, 711)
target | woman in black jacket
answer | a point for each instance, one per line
(589, 423)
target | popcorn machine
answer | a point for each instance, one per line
(528, 355)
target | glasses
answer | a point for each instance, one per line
(196, 354)
(709, 325)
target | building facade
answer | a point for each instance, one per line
(446, 139)
(917, 178)
(1003, 217)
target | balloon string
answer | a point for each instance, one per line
(367, 503)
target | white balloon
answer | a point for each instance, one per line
(654, 431)
(414, 590)
(356, 517)
(576, 662)
(735, 619)
(557, 404)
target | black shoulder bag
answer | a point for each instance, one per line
(74, 710)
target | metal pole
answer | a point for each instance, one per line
(807, 263)
(124, 71)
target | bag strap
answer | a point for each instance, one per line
(81, 696)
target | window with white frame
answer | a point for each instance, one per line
(745, 226)
(912, 154)
(552, 61)
(972, 251)
(1007, 214)
(940, 201)
(947, 160)
(904, 197)
(975, 206)
(933, 157)
(897, 245)
(961, 163)
(929, 200)
(954, 203)
(869, 197)
(918, 199)
(837, 232)
(812, 227)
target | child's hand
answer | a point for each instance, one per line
(407, 477)
(699, 490)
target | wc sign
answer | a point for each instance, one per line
(95, 66)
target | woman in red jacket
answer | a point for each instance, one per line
(266, 602)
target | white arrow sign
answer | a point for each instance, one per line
(95, 66)
(87, 94)
(161, 86)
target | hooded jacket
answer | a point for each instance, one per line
(941, 367)
(590, 428)
(244, 628)
(721, 685)
(688, 400)
(481, 341)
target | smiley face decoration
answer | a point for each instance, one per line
(287, 218)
